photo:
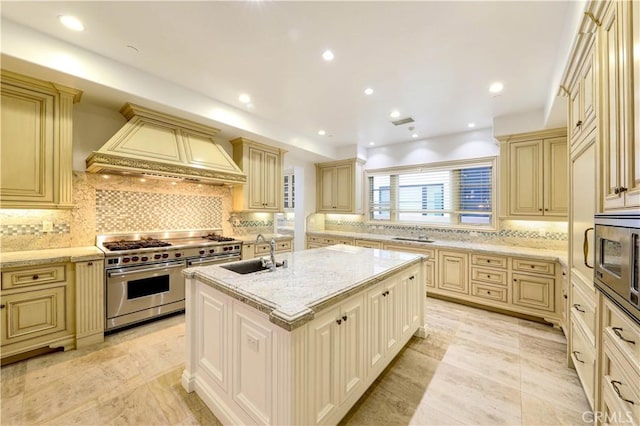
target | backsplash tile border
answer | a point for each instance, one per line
(33, 229)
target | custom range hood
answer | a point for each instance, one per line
(156, 145)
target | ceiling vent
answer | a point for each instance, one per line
(403, 121)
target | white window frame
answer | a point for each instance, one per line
(445, 166)
(291, 198)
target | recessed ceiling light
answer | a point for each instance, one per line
(327, 55)
(322, 132)
(71, 22)
(415, 135)
(496, 87)
(471, 125)
(395, 114)
(368, 91)
(372, 143)
(244, 98)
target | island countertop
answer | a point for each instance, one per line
(314, 280)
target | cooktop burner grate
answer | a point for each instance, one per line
(216, 237)
(135, 244)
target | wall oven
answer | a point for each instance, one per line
(617, 268)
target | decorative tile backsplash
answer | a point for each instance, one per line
(33, 229)
(122, 211)
(251, 223)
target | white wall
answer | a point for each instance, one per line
(529, 121)
(304, 170)
(93, 125)
(459, 146)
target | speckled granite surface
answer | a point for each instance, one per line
(314, 280)
(552, 255)
(16, 259)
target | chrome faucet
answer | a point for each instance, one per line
(271, 262)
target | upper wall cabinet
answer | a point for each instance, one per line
(582, 104)
(339, 186)
(263, 166)
(534, 175)
(36, 139)
(619, 44)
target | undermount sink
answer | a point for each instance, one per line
(418, 240)
(248, 267)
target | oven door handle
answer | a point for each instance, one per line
(163, 266)
(216, 259)
(585, 247)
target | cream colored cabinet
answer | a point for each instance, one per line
(35, 140)
(263, 166)
(37, 308)
(336, 354)
(251, 250)
(452, 271)
(582, 96)
(369, 244)
(619, 364)
(583, 356)
(619, 42)
(489, 279)
(339, 186)
(533, 291)
(89, 301)
(534, 174)
(315, 241)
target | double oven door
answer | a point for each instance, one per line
(141, 292)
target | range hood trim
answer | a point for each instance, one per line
(156, 145)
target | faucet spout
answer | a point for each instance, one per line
(260, 237)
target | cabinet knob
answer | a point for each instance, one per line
(515, 280)
(3, 306)
(546, 210)
(90, 264)
(623, 189)
(339, 321)
(35, 276)
(579, 123)
(411, 277)
(345, 318)
(539, 210)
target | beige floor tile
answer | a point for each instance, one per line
(536, 411)
(485, 360)
(535, 347)
(505, 338)
(11, 411)
(430, 415)
(12, 380)
(137, 406)
(473, 399)
(409, 376)
(381, 407)
(435, 345)
(158, 355)
(545, 331)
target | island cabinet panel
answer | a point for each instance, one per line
(212, 351)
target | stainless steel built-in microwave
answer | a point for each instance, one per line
(617, 268)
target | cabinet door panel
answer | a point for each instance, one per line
(525, 184)
(213, 341)
(533, 291)
(256, 184)
(271, 180)
(327, 178)
(375, 339)
(27, 140)
(555, 182)
(324, 365)
(452, 269)
(352, 347)
(392, 317)
(32, 314)
(343, 187)
(633, 145)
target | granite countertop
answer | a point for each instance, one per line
(14, 259)
(251, 238)
(314, 280)
(559, 256)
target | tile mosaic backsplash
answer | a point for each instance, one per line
(244, 223)
(118, 211)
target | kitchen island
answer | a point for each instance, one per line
(299, 345)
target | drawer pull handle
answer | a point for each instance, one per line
(579, 123)
(90, 264)
(412, 277)
(585, 247)
(577, 308)
(615, 388)
(575, 354)
(617, 331)
(35, 276)
(3, 306)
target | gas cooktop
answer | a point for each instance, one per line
(135, 244)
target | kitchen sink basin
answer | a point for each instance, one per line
(418, 240)
(248, 267)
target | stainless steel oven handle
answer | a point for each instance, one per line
(160, 267)
(216, 259)
(585, 247)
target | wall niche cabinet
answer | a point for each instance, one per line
(37, 131)
(534, 175)
(339, 186)
(263, 166)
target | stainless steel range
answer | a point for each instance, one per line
(143, 272)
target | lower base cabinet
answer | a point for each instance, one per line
(252, 250)
(248, 370)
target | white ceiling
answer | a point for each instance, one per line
(433, 61)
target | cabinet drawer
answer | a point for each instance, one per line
(623, 333)
(623, 383)
(32, 314)
(490, 276)
(489, 260)
(280, 246)
(32, 276)
(369, 244)
(490, 292)
(537, 266)
(583, 357)
(327, 241)
(584, 309)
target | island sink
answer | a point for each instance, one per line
(246, 267)
(419, 240)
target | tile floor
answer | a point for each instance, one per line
(475, 368)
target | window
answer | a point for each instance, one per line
(288, 191)
(452, 194)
